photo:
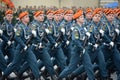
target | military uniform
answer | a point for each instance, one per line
(111, 53)
(77, 37)
(22, 36)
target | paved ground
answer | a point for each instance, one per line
(113, 76)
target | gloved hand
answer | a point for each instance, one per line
(47, 31)
(117, 31)
(88, 34)
(1, 32)
(40, 45)
(15, 29)
(101, 32)
(67, 42)
(56, 44)
(72, 28)
(95, 46)
(1, 40)
(9, 43)
(25, 48)
(34, 33)
(111, 43)
(63, 30)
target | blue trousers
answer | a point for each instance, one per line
(96, 57)
(44, 61)
(59, 56)
(29, 56)
(112, 54)
(3, 63)
(76, 59)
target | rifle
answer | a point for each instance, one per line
(11, 37)
(115, 35)
(69, 36)
(84, 45)
(98, 38)
(57, 41)
(27, 42)
(43, 38)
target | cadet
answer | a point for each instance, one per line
(78, 36)
(23, 36)
(40, 45)
(94, 46)
(110, 50)
(54, 37)
(3, 63)
(117, 20)
(8, 33)
(67, 44)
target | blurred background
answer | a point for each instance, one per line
(60, 3)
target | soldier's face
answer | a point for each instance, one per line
(110, 17)
(41, 17)
(26, 19)
(57, 17)
(9, 17)
(68, 17)
(96, 18)
(61, 16)
(50, 16)
(81, 19)
(89, 15)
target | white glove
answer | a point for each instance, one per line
(1, 32)
(1, 40)
(67, 42)
(72, 28)
(40, 45)
(112, 43)
(83, 51)
(96, 45)
(63, 30)
(89, 43)
(9, 43)
(25, 48)
(88, 34)
(56, 44)
(15, 29)
(47, 31)
(34, 33)
(102, 32)
(117, 31)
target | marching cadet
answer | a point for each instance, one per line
(3, 63)
(44, 44)
(78, 36)
(8, 32)
(94, 47)
(40, 45)
(23, 36)
(110, 50)
(88, 16)
(67, 44)
(54, 36)
(117, 22)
